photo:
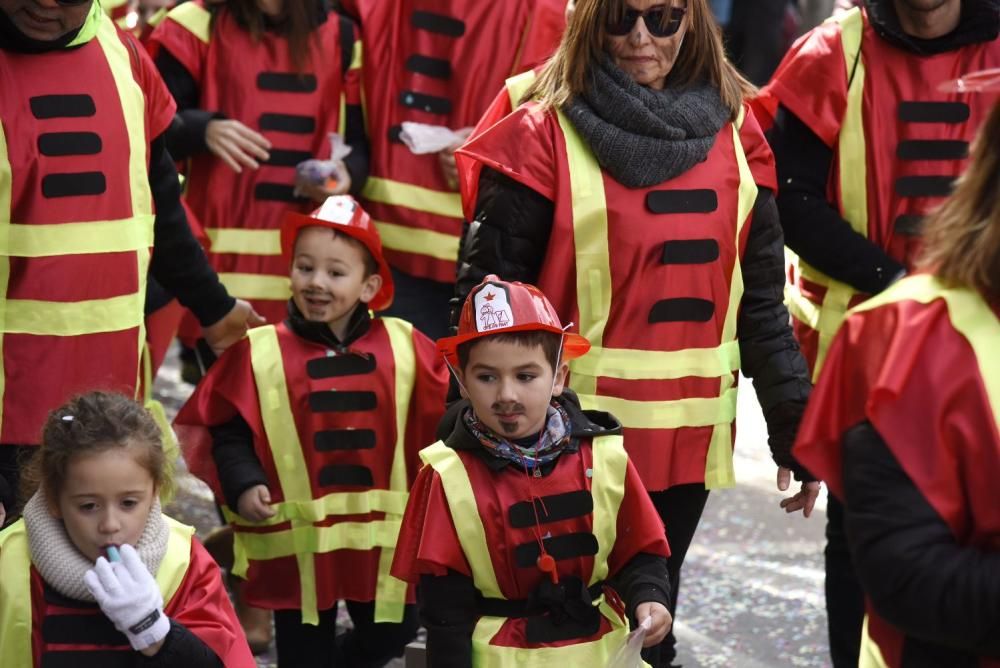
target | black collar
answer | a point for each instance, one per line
(980, 22)
(320, 332)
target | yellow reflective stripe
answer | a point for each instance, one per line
(397, 193)
(44, 318)
(871, 655)
(695, 412)
(194, 18)
(440, 245)
(357, 55)
(245, 242)
(337, 503)
(307, 541)
(90, 26)
(608, 490)
(5, 213)
(801, 307)
(104, 236)
(655, 364)
(15, 595)
(465, 514)
(257, 286)
(176, 559)
(518, 85)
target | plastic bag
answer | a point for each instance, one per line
(422, 138)
(325, 172)
(629, 655)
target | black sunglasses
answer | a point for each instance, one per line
(658, 22)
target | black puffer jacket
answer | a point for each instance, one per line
(510, 235)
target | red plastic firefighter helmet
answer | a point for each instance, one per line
(499, 307)
(344, 215)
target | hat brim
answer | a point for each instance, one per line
(294, 222)
(574, 345)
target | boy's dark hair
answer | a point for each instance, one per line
(371, 266)
(549, 341)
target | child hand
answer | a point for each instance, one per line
(129, 596)
(254, 504)
(660, 619)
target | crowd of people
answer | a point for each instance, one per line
(466, 290)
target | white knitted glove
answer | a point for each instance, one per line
(129, 597)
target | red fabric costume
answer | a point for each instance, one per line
(917, 136)
(255, 82)
(311, 370)
(44, 95)
(437, 62)
(530, 147)
(905, 368)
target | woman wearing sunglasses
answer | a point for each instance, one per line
(633, 186)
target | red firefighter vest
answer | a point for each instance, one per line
(255, 82)
(652, 278)
(849, 85)
(916, 335)
(76, 217)
(438, 62)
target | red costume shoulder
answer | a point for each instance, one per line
(430, 394)
(175, 34)
(201, 605)
(160, 105)
(758, 151)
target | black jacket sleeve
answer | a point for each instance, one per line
(448, 611)
(769, 354)
(186, 135)
(235, 460)
(813, 227)
(643, 579)
(508, 236)
(179, 264)
(915, 573)
(181, 647)
(357, 162)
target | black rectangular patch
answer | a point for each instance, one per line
(682, 309)
(936, 149)
(286, 82)
(695, 251)
(933, 112)
(275, 192)
(429, 103)
(551, 509)
(568, 546)
(344, 439)
(107, 658)
(299, 125)
(73, 185)
(437, 68)
(439, 23)
(394, 134)
(62, 106)
(909, 225)
(682, 201)
(281, 157)
(542, 628)
(56, 144)
(348, 364)
(924, 186)
(357, 476)
(332, 401)
(95, 629)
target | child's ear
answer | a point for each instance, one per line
(372, 285)
(461, 383)
(559, 382)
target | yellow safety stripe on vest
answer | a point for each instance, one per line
(102, 236)
(693, 412)
(852, 161)
(969, 315)
(245, 242)
(90, 26)
(871, 655)
(44, 318)
(195, 19)
(257, 286)
(357, 55)
(439, 245)
(659, 365)
(608, 489)
(397, 193)
(15, 584)
(5, 213)
(518, 85)
(171, 449)
(303, 540)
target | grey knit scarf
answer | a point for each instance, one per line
(62, 566)
(644, 136)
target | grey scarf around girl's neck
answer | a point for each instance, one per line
(644, 136)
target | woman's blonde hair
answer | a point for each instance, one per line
(962, 238)
(702, 57)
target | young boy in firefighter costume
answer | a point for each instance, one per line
(313, 428)
(93, 572)
(904, 426)
(528, 530)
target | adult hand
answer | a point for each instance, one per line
(254, 504)
(129, 596)
(318, 192)
(232, 327)
(236, 145)
(804, 500)
(446, 159)
(660, 621)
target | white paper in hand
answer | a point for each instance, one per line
(629, 655)
(422, 138)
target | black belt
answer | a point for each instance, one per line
(524, 607)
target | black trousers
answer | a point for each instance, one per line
(680, 508)
(845, 601)
(422, 302)
(368, 645)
